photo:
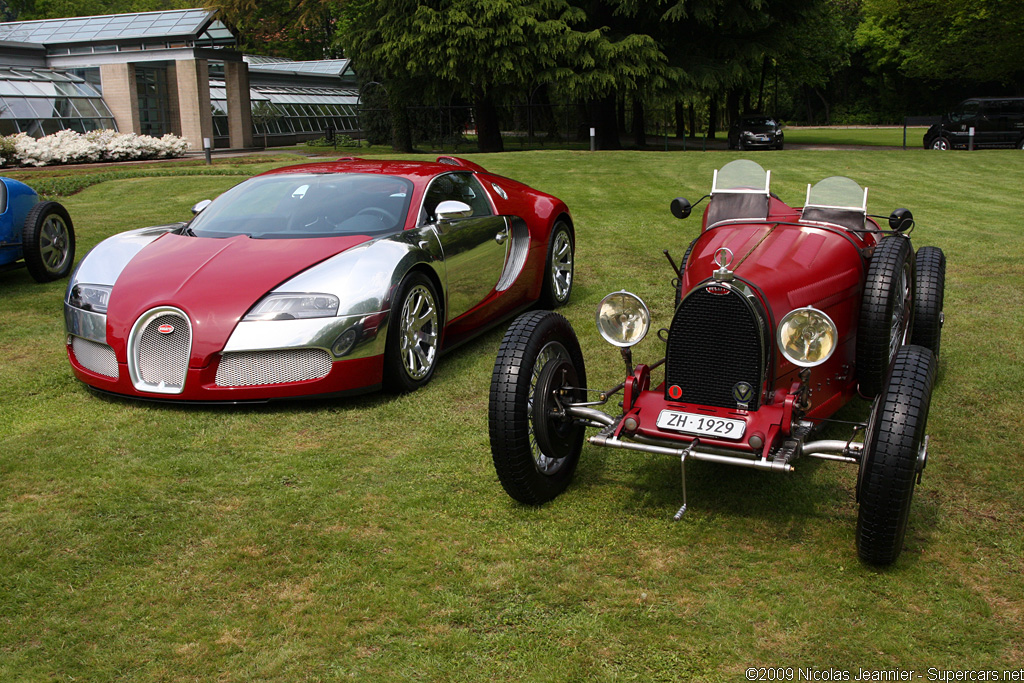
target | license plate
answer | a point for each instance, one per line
(703, 425)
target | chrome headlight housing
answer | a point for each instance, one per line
(807, 337)
(88, 297)
(623, 319)
(294, 306)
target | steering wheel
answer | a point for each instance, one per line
(383, 215)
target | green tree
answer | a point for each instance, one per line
(297, 29)
(479, 50)
(970, 40)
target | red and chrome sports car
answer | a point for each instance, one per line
(319, 279)
(782, 316)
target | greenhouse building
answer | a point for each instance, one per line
(165, 72)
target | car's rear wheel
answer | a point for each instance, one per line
(414, 335)
(894, 455)
(886, 312)
(48, 242)
(534, 444)
(929, 290)
(941, 143)
(558, 269)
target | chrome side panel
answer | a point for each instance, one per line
(368, 335)
(474, 257)
(365, 280)
(86, 324)
(104, 263)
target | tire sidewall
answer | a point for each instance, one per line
(510, 414)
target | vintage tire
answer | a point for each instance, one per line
(929, 289)
(886, 311)
(893, 456)
(682, 267)
(941, 143)
(535, 453)
(48, 242)
(558, 267)
(414, 335)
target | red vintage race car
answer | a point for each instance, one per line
(316, 280)
(783, 315)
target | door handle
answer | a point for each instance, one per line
(501, 237)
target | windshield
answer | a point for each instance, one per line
(739, 190)
(739, 176)
(837, 200)
(837, 192)
(759, 121)
(289, 206)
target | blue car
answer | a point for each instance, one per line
(36, 232)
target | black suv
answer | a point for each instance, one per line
(997, 122)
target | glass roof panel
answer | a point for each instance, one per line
(84, 29)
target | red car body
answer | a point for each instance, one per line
(185, 294)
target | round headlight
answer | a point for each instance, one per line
(807, 337)
(623, 319)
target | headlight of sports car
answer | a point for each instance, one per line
(294, 307)
(807, 337)
(623, 319)
(90, 297)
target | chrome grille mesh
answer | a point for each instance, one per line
(249, 368)
(98, 358)
(716, 341)
(162, 358)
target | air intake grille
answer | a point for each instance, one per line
(96, 357)
(161, 352)
(245, 369)
(715, 342)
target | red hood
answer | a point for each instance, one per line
(214, 281)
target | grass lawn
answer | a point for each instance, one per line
(369, 539)
(873, 137)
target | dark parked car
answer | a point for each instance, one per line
(756, 132)
(996, 122)
(36, 234)
(783, 315)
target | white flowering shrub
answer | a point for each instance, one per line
(69, 147)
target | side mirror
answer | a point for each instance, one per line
(451, 209)
(680, 207)
(200, 206)
(901, 220)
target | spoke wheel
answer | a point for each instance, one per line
(414, 335)
(559, 268)
(534, 444)
(48, 239)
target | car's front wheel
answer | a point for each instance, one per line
(414, 335)
(941, 143)
(535, 445)
(886, 312)
(894, 455)
(48, 240)
(558, 267)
